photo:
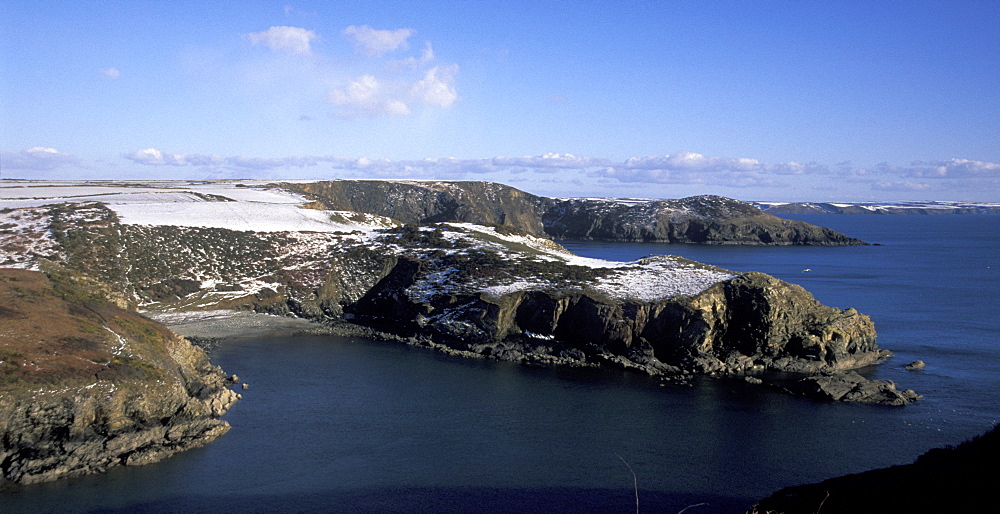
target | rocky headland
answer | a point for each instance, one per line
(704, 219)
(86, 385)
(489, 291)
(123, 390)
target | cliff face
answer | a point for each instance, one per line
(422, 202)
(698, 219)
(740, 324)
(495, 292)
(86, 385)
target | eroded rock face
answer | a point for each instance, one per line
(749, 323)
(86, 386)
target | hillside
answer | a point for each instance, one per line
(699, 219)
(479, 290)
(86, 385)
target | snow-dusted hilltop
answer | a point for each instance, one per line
(478, 287)
(264, 207)
(703, 219)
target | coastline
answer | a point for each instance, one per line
(232, 324)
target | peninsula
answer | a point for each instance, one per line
(458, 267)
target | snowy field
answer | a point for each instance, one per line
(253, 207)
(230, 205)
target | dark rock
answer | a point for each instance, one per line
(953, 479)
(698, 219)
(916, 365)
(852, 387)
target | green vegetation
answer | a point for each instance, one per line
(140, 331)
(133, 367)
(10, 366)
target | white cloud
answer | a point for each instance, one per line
(437, 87)
(366, 96)
(951, 168)
(38, 158)
(259, 163)
(370, 96)
(154, 157)
(363, 92)
(551, 161)
(901, 186)
(375, 43)
(672, 164)
(704, 173)
(396, 108)
(292, 40)
(426, 56)
(111, 73)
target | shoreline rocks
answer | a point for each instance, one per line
(87, 386)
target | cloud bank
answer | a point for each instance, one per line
(682, 168)
(38, 158)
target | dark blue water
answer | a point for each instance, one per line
(349, 425)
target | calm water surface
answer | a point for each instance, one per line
(348, 425)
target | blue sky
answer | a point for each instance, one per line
(753, 100)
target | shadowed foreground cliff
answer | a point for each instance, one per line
(954, 479)
(86, 385)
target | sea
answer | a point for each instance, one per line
(334, 424)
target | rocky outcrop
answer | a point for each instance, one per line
(748, 324)
(953, 479)
(497, 292)
(850, 387)
(86, 385)
(699, 219)
(423, 202)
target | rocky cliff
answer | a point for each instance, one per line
(86, 385)
(699, 219)
(496, 292)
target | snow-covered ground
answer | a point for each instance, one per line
(253, 207)
(230, 205)
(649, 279)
